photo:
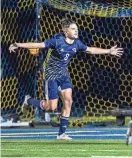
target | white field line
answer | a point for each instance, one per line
(30, 136)
(68, 150)
(25, 133)
(50, 133)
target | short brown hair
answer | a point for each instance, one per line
(65, 23)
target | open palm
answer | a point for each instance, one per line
(116, 51)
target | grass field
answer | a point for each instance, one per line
(59, 148)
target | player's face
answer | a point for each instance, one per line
(72, 31)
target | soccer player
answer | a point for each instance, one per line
(65, 45)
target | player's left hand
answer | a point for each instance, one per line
(116, 51)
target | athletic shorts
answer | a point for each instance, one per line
(52, 87)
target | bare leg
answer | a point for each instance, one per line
(66, 96)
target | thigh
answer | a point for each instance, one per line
(66, 93)
(51, 90)
(66, 96)
(65, 83)
(51, 93)
(65, 88)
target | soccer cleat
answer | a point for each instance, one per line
(47, 117)
(64, 136)
(129, 134)
(40, 115)
(25, 105)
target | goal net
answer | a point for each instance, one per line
(100, 82)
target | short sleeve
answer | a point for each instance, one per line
(81, 46)
(50, 43)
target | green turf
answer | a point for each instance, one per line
(57, 148)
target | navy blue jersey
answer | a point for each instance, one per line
(61, 55)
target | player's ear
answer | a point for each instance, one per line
(64, 30)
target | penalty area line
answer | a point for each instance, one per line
(74, 150)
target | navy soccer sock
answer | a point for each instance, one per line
(63, 124)
(37, 103)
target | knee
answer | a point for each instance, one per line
(48, 106)
(44, 104)
(52, 107)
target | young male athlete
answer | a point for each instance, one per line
(65, 45)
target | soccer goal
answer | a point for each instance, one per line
(101, 83)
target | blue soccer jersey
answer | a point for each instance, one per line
(61, 54)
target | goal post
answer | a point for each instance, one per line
(100, 82)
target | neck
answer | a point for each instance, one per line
(68, 40)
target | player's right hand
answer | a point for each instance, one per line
(13, 47)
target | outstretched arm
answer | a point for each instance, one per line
(113, 51)
(14, 46)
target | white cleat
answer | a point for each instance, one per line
(64, 136)
(25, 105)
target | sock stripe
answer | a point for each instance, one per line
(63, 124)
(65, 118)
